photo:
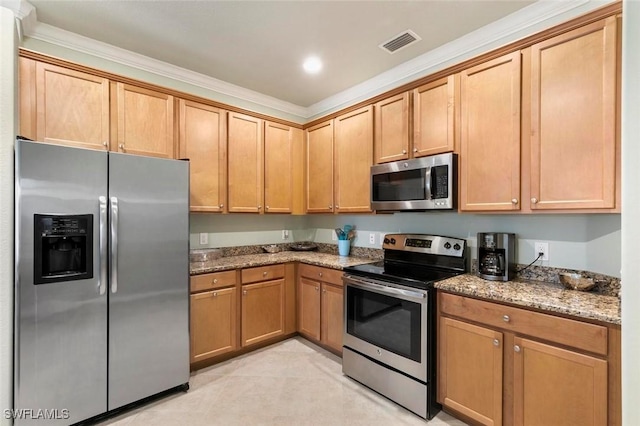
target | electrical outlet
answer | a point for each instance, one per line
(541, 248)
(372, 238)
(204, 238)
(285, 234)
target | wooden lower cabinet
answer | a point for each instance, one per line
(321, 306)
(503, 365)
(213, 323)
(263, 307)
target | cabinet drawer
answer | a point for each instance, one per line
(262, 273)
(214, 280)
(577, 334)
(319, 273)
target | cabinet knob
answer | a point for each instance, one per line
(404, 151)
(221, 205)
(215, 281)
(215, 294)
(244, 292)
(316, 288)
(259, 207)
(121, 146)
(516, 348)
(266, 207)
(337, 206)
(330, 206)
(514, 201)
(264, 274)
(319, 274)
(506, 318)
(105, 144)
(415, 149)
(534, 200)
(496, 342)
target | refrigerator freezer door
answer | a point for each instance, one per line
(61, 325)
(149, 300)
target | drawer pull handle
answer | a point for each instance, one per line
(264, 274)
(496, 342)
(215, 294)
(506, 318)
(215, 281)
(319, 274)
(516, 348)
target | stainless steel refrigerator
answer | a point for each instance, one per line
(101, 280)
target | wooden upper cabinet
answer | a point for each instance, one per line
(245, 152)
(353, 160)
(490, 135)
(433, 117)
(554, 386)
(203, 140)
(573, 119)
(71, 108)
(320, 168)
(278, 168)
(145, 122)
(392, 129)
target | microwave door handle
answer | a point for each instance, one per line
(427, 179)
(102, 283)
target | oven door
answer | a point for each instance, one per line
(387, 323)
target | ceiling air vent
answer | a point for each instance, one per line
(400, 41)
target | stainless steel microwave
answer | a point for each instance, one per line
(426, 183)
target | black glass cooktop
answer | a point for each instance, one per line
(411, 275)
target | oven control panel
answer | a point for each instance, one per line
(422, 243)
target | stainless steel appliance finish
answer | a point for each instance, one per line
(427, 183)
(496, 256)
(92, 340)
(390, 332)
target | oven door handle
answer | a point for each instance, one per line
(382, 288)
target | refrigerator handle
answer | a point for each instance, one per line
(102, 283)
(114, 244)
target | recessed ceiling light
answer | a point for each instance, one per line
(312, 65)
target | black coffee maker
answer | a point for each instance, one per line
(496, 256)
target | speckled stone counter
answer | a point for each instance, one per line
(247, 261)
(540, 295)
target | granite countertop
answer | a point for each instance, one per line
(550, 297)
(250, 260)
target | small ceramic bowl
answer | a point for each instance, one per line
(576, 281)
(272, 248)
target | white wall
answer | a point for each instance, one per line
(8, 48)
(630, 213)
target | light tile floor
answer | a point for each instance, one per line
(293, 382)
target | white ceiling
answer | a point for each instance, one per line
(260, 45)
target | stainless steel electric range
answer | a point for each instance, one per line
(390, 318)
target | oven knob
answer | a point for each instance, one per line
(393, 241)
(447, 245)
(456, 246)
(386, 241)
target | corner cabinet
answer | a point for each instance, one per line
(144, 121)
(490, 135)
(353, 160)
(574, 146)
(203, 140)
(505, 365)
(321, 306)
(278, 166)
(245, 151)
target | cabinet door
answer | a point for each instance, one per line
(392, 129)
(470, 372)
(309, 308)
(278, 166)
(332, 316)
(433, 117)
(554, 386)
(490, 135)
(72, 108)
(145, 122)
(245, 150)
(573, 119)
(320, 168)
(203, 140)
(262, 311)
(213, 323)
(353, 159)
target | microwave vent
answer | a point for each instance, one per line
(400, 41)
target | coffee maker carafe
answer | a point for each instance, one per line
(496, 256)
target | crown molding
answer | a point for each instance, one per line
(517, 25)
